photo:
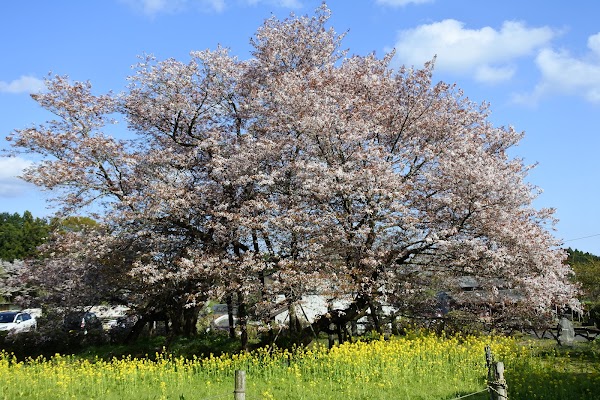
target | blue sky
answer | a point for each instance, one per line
(537, 63)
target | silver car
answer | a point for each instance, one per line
(16, 321)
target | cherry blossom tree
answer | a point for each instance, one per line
(11, 287)
(300, 169)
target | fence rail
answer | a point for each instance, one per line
(585, 332)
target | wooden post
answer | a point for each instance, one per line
(331, 337)
(240, 385)
(496, 382)
(498, 385)
(488, 360)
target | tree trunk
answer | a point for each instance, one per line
(394, 323)
(175, 315)
(375, 316)
(356, 310)
(340, 333)
(136, 330)
(294, 322)
(352, 313)
(190, 320)
(353, 328)
(331, 327)
(230, 315)
(243, 320)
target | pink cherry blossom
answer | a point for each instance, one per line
(301, 169)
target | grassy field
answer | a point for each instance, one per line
(419, 366)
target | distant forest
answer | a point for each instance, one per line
(20, 235)
(577, 256)
(587, 273)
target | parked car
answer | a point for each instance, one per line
(16, 321)
(82, 321)
(121, 327)
(221, 323)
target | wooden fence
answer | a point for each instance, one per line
(588, 333)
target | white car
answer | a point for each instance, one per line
(221, 323)
(16, 321)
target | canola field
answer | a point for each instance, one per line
(418, 366)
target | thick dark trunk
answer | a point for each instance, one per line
(340, 333)
(190, 320)
(394, 323)
(230, 315)
(347, 334)
(295, 325)
(136, 330)
(353, 328)
(176, 319)
(328, 324)
(330, 338)
(243, 320)
(331, 327)
(375, 317)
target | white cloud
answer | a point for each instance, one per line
(563, 73)
(401, 3)
(278, 3)
(25, 84)
(594, 43)
(152, 8)
(489, 74)
(485, 53)
(10, 168)
(213, 5)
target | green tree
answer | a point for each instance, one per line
(587, 274)
(72, 224)
(21, 235)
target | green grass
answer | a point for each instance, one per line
(552, 372)
(200, 346)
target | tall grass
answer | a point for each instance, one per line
(420, 366)
(544, 371)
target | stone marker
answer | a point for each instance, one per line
(566, 333)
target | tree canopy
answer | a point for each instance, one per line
(586, 267)
(20, 235)
(301, 169)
